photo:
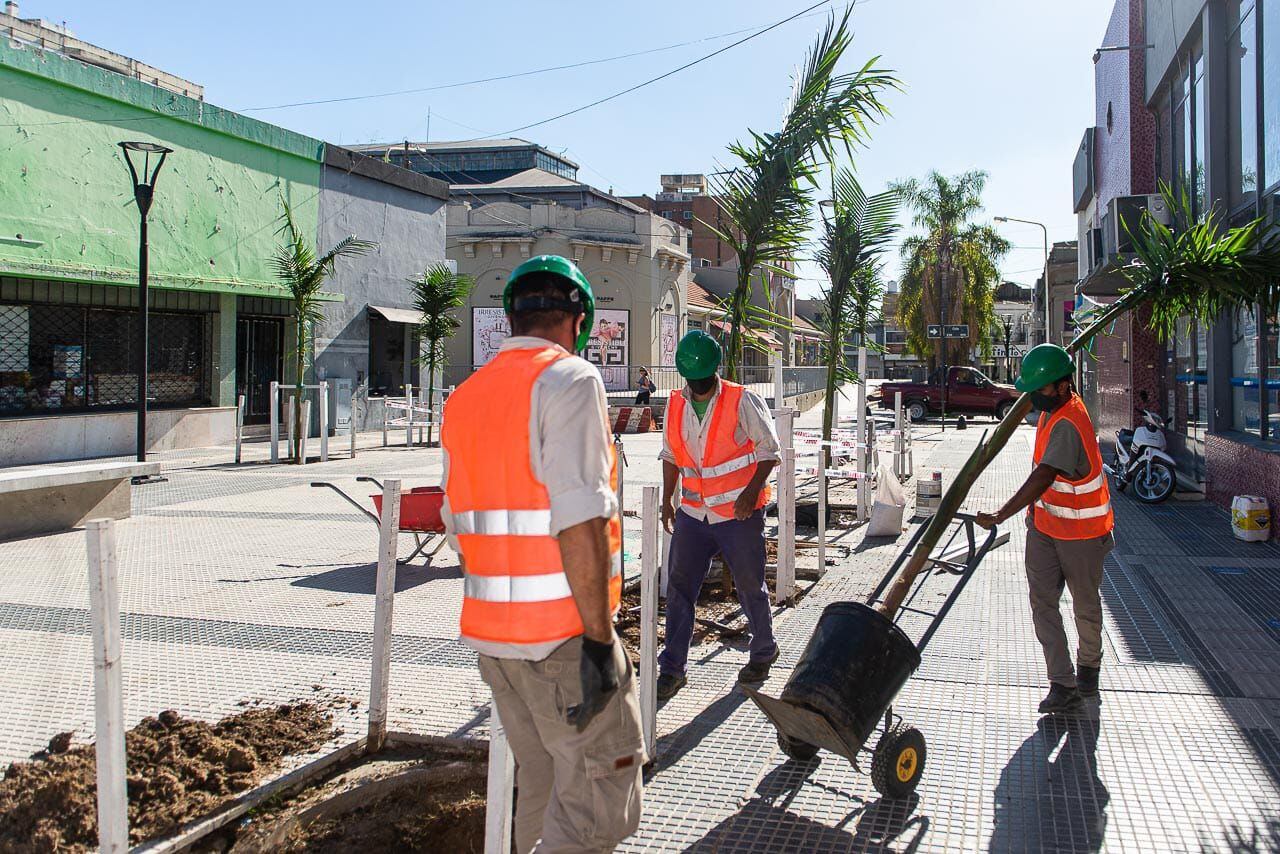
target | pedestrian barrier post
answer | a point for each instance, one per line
(408, 403)
(324, 421)
(304, 431)
(239, 426)
(860, 452)
(778, 389)
(899, 445)
(386, 416)
(785, 585)
(355, 419)
(501, 782)
(384, 596)
(275, 421)
(288, 428)
(665, 572)
(649, 619)
(104, 611)
(620, 459)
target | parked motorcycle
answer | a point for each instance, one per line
(1140, 459)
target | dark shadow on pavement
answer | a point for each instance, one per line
(672, 747)
(363, 578)
(1058, 804)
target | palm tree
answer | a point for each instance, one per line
(853, 238)
(955, 261)
(764, 203)
(1200, 271)
(436, 294)
(296, 265)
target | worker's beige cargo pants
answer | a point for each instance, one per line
(578, 792)
(1077, 566)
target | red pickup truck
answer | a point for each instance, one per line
(968, 390)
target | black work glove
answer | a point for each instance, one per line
(599, 677)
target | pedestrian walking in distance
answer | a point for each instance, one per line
(645, 386)
(1068, 525)
(531, 508)
(720, 443)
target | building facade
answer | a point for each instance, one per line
(1209, 87)
(220, 320)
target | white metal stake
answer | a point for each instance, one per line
(386, 416)
(304, 431)
(824, 456)
(104, 611)
(324, 421)
(355, 412)
(665, 573)
(275, 421)
(649, 619)
(861, 452)
(501, 782)
(620, 460)
(239, 426)
(384, 596)
(899, 445)
(786, 575)
(408, 404)
(288, 428)
(777, 380)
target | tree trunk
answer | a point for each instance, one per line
(431, 386)
(980, 459)
(299, 390)
(737, 322)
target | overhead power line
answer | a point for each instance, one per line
(512, 76)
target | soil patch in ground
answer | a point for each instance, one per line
(179, 769)
(415, 799)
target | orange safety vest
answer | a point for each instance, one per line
(1073, 509)
(726, 467)
(516, 590)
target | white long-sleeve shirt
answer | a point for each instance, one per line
(755, 422)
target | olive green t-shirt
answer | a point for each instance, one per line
(700, 407)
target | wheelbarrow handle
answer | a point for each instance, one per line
(321, 484)
(373, 480)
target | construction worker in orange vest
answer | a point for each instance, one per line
(720, 443)
(530, 507)
(1068, 526)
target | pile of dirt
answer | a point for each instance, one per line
(716, 604)
(179, 769)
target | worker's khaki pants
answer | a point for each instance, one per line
(578, 792)
(1076, 565)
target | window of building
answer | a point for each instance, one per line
(1246, 391)
(1270, 11)
(686, 215)
(61, 358)
(1188, 383)
(1199, 200)
(1242, 82)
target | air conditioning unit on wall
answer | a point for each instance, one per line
(1129, 210)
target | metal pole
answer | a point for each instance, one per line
(785, 585)
(824, 454)
(289, 426)
(898, 444)
(355, 412)
(860, 453)
(408, 405)
(778, 389)
(501, 781)
(304, 432)
(240, 403)
(324, 421)
(1046, 281)
(384, 598)
(942, 343)
(141, 342)
(275, 421)
(620, 460)
(104, 611)
(649, 619)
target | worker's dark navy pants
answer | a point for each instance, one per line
(693, 546)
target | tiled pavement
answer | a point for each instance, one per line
(243, 584)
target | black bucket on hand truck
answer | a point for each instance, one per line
(855, 664)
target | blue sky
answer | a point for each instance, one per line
(1000, 85)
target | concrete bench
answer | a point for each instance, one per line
(44, 499)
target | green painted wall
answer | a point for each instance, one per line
(63, 181)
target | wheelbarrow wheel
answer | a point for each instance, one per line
(801, 751)
(898, 761)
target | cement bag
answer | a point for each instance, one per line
(1250, 518)
(890, 501)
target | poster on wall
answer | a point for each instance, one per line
(669, 330)
(489, 328)
(607, 348)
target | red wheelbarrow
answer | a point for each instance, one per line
(419, 514)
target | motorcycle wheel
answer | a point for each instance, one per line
(1154, 482)
(1117, 473)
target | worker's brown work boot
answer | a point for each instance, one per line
(669, 684)
(1087, 681)
(1060, 699)
(758, 671)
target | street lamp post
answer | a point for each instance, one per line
(1045, 229)
(144, 183)
(1008, 334)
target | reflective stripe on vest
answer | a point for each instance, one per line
(726, 467)
(1073, 510)
(516, 594)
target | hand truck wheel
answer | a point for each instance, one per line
(898, 761)
(799, 750)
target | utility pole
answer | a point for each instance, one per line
(1008, 333)
(944, 264)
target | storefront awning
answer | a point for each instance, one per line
(398, 315)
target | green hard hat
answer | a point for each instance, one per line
(1043, 364)
(557, 265)
(697, 356)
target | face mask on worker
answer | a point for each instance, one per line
(1047, 402)
(703, 386)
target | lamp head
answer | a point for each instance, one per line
(1002, 219)
(144, 178)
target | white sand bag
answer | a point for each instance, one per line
(887, 509)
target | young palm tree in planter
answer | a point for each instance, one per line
(296, 265)
(437, 293)
(1198, 270)
(765, 202)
